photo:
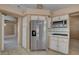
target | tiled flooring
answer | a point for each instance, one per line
(10, 42)
(74, 46)
(24, 52)
(74, 50)
(10, 45)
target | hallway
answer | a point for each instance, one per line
(10, 43)
(74, 47)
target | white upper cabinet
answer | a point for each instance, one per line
(34, 17)
(56, 18)
(42, 17)
(49, 22)
(38, 17)
(10, 18)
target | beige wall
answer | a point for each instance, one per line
(9, 29)
(68, 10)
(74, 27)
(9, 10)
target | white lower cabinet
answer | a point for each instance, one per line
(53, 43)
(63, 46)
(59, 44)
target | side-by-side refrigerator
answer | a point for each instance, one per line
(38, 34)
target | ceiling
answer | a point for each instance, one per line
(52, 7)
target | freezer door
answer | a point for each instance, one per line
(33, 39)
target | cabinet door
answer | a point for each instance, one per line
(53, 43)
(63, 46)
(42, 17)
(49, 22)
(34, 18)
(56, 18)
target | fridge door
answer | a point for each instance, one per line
(38, 35)
(42, 42)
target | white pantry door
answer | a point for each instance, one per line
(24, 32)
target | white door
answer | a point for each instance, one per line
(1, 32)
(24, 32)
(53, 43)
(63, 46)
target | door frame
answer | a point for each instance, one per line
(2, 48)
(18, 32)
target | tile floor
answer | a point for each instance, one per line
(24, 52)
(74, 46)
(10, 42)
(74, 50)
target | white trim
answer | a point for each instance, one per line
(15, 30)
(19, 23)
(2, 32)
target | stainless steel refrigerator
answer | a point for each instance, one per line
(38, 39)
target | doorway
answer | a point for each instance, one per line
(10, 32)
(74, 35)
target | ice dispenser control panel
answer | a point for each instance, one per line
(33, 32)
